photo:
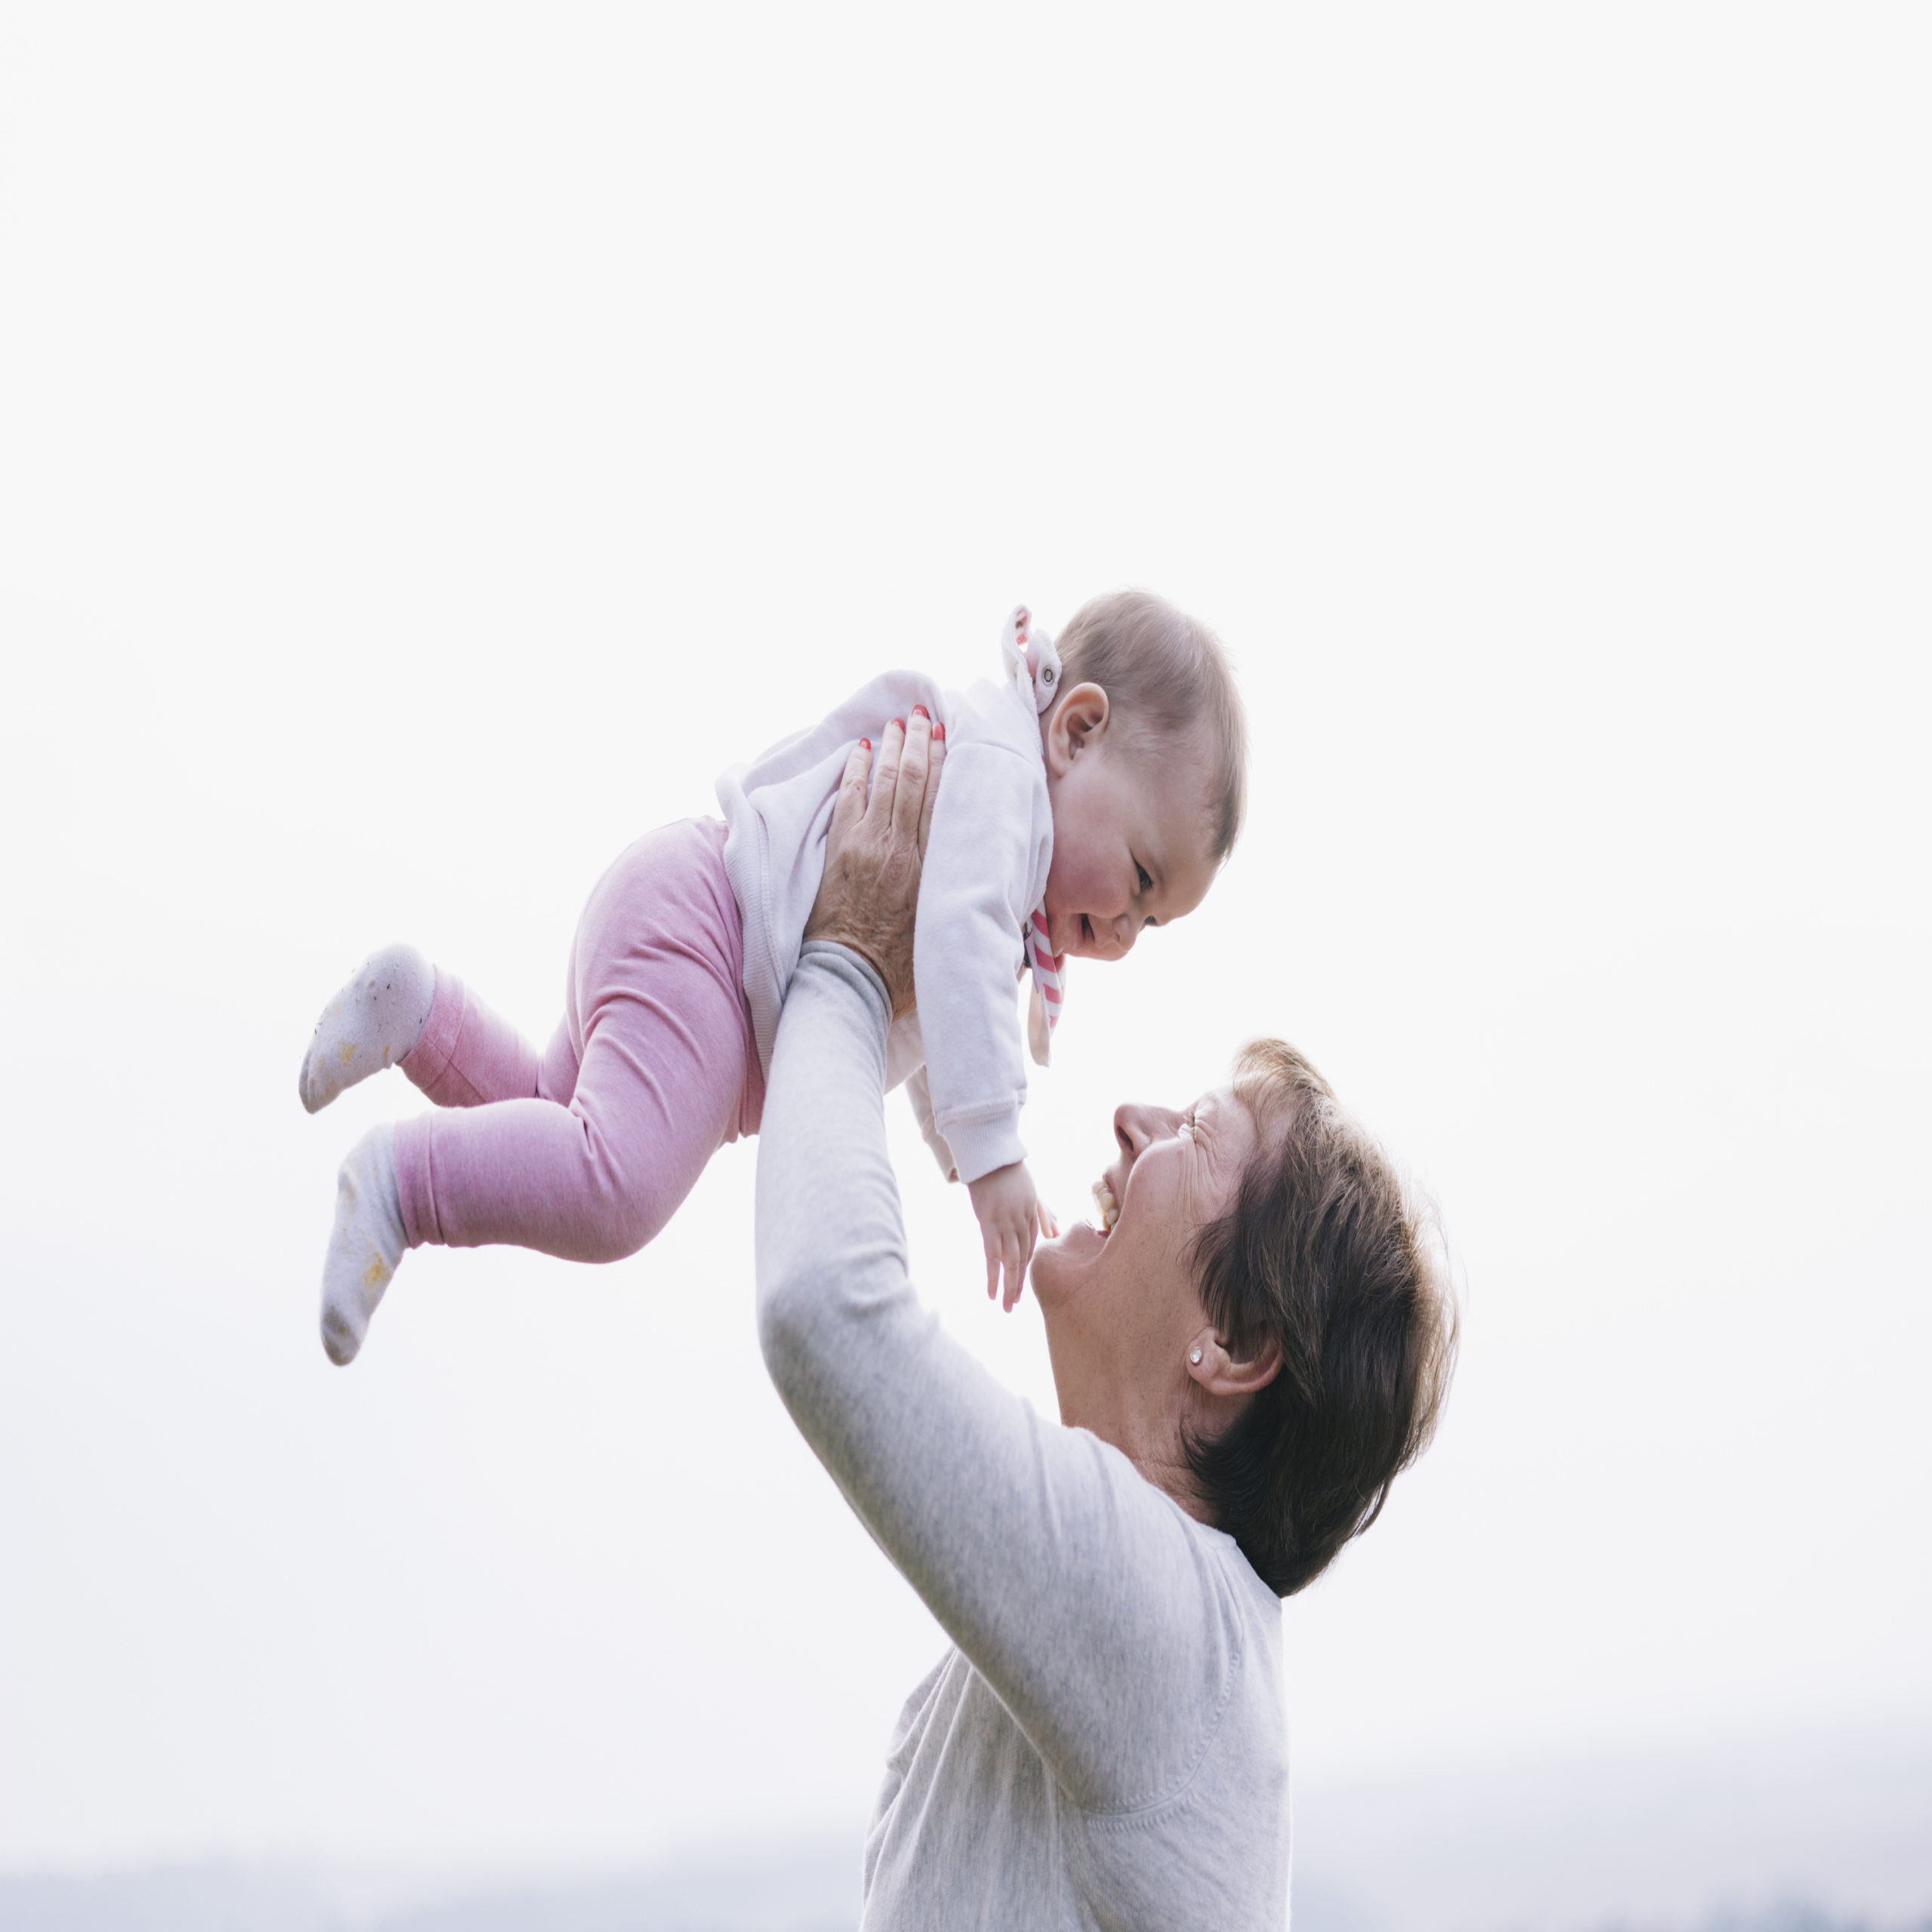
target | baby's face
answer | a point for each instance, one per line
(1132, 828)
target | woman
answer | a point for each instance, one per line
(1244, 1358)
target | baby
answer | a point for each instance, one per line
(1095, 792)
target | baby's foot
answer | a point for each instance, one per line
(371, 1024)
(365, 1244)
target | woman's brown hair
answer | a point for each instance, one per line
(1323, 1252)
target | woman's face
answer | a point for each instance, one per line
(1119, 1303)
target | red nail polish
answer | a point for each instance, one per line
(899, 723)
(920, 711)
(867, 743)
(939, 732)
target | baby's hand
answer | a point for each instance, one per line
(1012, 1216)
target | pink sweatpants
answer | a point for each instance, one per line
(586, 1151)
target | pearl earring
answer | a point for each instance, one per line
(1194, 1356)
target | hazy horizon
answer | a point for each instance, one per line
(1785, 1831)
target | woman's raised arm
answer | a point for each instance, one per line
(1078, 1590)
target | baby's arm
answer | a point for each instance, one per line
(918, 1090)
(988, 843)
(967, 950)
(1012, 1216)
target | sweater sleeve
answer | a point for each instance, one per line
(920, 1093)
(966, 948)
(1094, 1607)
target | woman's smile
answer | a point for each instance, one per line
(1109, 1207)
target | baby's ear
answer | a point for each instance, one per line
(1078, 725)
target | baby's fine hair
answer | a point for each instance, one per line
(1167, 675)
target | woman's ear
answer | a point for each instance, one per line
(1221, 1372)
(1078, 724)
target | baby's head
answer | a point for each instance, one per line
(1146, 751)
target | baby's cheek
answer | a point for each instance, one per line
(1070, 876)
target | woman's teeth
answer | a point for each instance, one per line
(1104, 1199)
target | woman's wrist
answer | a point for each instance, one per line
(860, 971)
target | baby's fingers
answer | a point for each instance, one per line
(1020, 1254)
(993, 1263)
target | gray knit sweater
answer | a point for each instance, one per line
(1105, 1744)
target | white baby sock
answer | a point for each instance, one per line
(364, 1246)
(369, 1024)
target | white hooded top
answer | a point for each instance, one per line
(991, 846)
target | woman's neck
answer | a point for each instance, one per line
(1154, 1442)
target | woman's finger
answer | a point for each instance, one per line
(908, 801)
(935, 758)
(849, 807)
(885, 774)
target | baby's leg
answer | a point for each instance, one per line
(667, 1072)
(466, 1056)
(656, 1061)
(397, 1010)
(463, 1056)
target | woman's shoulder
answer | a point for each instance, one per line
(1192, 1594)
(1244, 1607)
(1197, 1679)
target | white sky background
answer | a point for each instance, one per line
(433, 444)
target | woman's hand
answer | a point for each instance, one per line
(870, 889)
